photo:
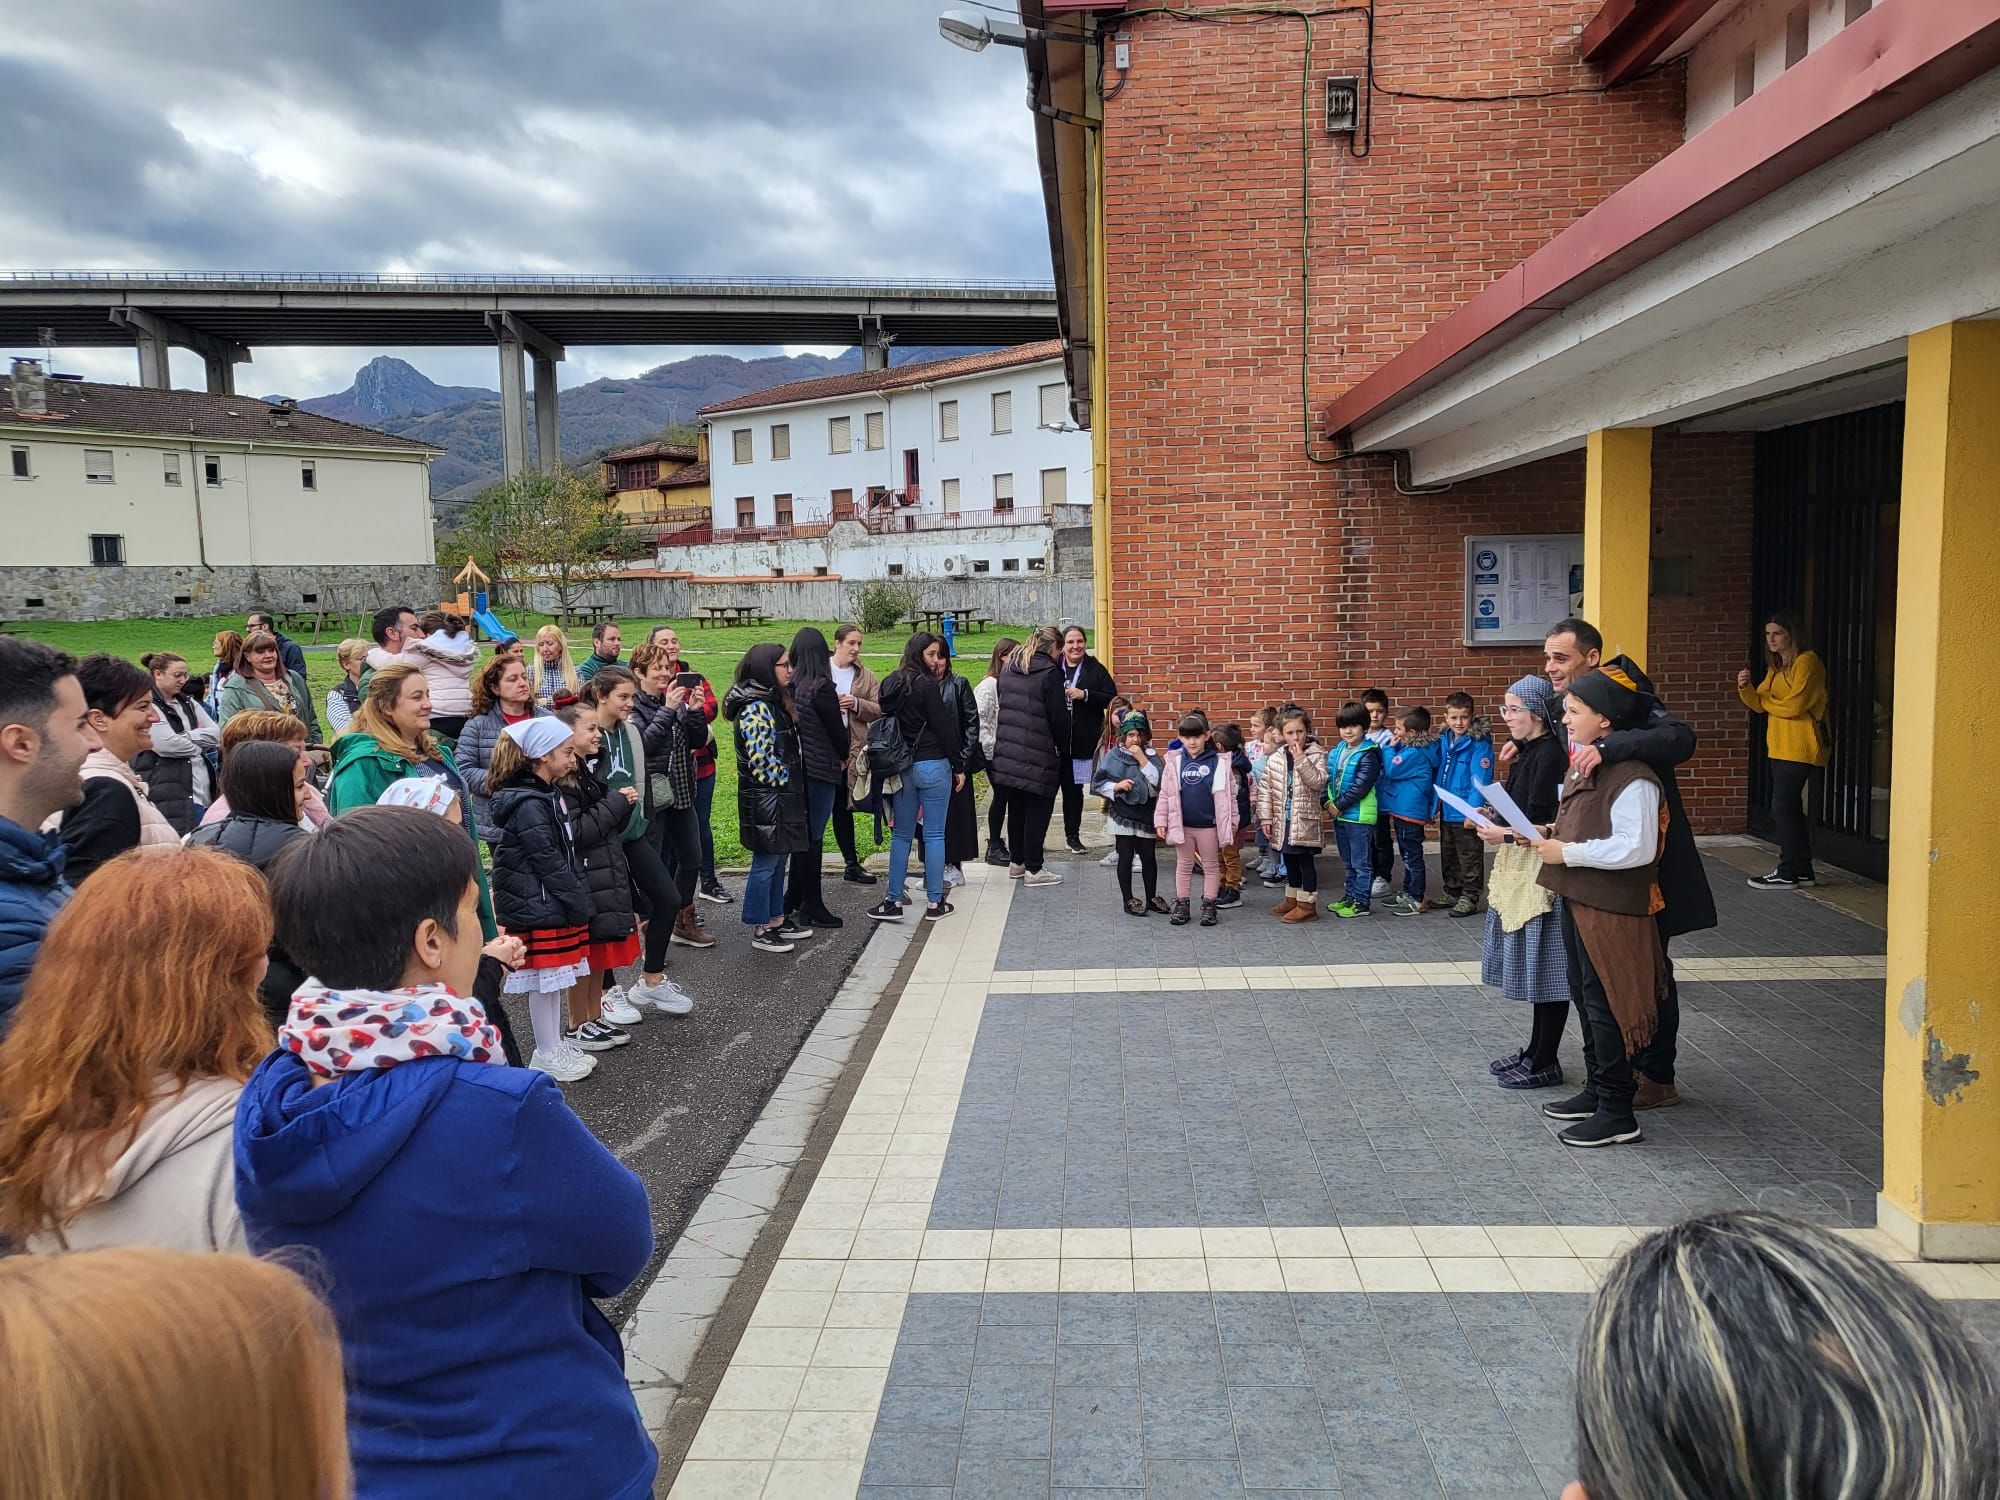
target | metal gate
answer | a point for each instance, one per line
(1824, 546)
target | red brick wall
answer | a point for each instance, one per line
(1242, 571)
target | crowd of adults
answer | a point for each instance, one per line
(297, 1050)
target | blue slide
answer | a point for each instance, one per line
(499, 634)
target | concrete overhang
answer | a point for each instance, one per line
(1753, 260)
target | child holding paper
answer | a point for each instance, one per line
(1468, 760)
(1523, 954)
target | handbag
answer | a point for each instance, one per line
(1513, 891)
(889, 753)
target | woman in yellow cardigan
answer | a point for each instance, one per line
(1792, 697)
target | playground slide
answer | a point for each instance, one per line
(490, 623)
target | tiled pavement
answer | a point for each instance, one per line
(1123, 1209)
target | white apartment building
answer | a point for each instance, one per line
(129, 501)
(956, 445)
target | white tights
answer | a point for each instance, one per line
(547, 1013)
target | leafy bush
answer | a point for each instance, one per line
(882, 604)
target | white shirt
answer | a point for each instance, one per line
(843, 682)
(1634, 837)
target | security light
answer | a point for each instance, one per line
(975, 32)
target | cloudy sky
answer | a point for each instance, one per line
(788, 137)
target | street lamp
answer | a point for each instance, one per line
(975, 32)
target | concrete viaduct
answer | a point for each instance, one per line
(530, 319)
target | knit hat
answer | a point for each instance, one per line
(537, 737)
(1135, 720)
(1610, 690)
(431, 794)
(1537, 697)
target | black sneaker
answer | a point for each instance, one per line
(996, 854)
(1229, 896)
(1602, 1130)
(939, 912)
(711, 890)
(1577, 1107)
(1075, 848)
(770, 942)
(885, 911)
(1776, 881)
(794, 931)
(1180, 917)
(1208, 917)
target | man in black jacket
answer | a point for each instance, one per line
(1662, 743)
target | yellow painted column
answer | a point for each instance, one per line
(1941, 1060)
(1618, 537)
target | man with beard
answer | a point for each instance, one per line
(45, 734)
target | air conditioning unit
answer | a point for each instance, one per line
(957, 565)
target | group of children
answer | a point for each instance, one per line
(1280, 787)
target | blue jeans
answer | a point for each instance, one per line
(764, 891)
(928, 786)
(1410, 844)
(704, 806)
(1357, 851)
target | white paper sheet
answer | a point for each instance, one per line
(1459, 804)
(1509, 809)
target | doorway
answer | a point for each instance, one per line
(1824, 536)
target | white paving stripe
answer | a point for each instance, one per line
(794, 1414)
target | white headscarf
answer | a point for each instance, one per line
(538, 736)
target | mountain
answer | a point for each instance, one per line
(385, 389)
(394, 396)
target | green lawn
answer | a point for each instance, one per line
(713, 652)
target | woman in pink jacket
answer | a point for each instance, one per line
(1196, 813)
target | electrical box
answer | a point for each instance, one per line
(1343, 105)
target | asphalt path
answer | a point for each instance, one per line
(677, 1102)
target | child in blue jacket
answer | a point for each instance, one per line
(1407, 791)
(1468, 758)
(1352, 771)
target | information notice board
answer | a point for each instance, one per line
(1516, 587)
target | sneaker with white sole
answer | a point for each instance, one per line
(564, 1065)
(770, 942)
(620, 1011)
(953, 875)
(794, 931)
(1778, 881)
(1042, 877)
(1379, 886)
(665, 996)
(712, 890)
(1016, 872)
(884, 910)
(595, 1036)
(1110, 861)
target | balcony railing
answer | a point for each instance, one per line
(786, 533)
(889, 523)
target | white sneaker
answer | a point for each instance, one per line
(953, 875)
(1015, 872)
(1379, 887)
(1042, 877)
(620, 1011)
(668, 996)
(564, 1064)
(1109, 860)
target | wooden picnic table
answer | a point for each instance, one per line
(964, 621)
(586, 614)
(730, 614)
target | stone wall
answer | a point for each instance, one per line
(132, 593)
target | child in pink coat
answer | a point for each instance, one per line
(1196, 813)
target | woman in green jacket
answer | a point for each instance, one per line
(388, 739)
(263, 683)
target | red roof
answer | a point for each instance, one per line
(90, 407)
(653, 450)
(895, 378)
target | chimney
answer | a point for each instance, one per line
(30, 390)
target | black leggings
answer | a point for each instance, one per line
(1027, 825)
(1131, 847)
(1300, 871)
(658, 896)
(1072, 800)
(1551, 1016)
(676, 833)
(996, 814)
(843, 825)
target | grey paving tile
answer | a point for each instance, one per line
(1012, 1387)
(1097, 1365)
(1097, 1438)
(1189, 1432)
(931, 1364)
(919, 1458)
(1280, 1439)
(1191, 1479)
(1015, 1344)
(1005, 1434)
(1001, 1478)
(921, 1408)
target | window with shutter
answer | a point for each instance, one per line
(739, 442)
(840, 435)
(781, 510)
(1052, 405)
(781, 440)
(308, 474)
(1055, 486)
(1003, 411)
(1003, 491)
(947, 421)
(950, 495)
(872, 430)
(746, 511)
(97, 465)
(107, 551)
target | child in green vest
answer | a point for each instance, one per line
(1352, 771)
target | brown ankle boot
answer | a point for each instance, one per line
(1653, 1095)
(689, 933)
(1303, 911)
(1284, 907)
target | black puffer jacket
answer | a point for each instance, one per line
(964, 707)
(538, 880)
(1033, 735)
(772, 814)
(1086, 714)
(255, 841)
(600, 817)
(823, 738)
